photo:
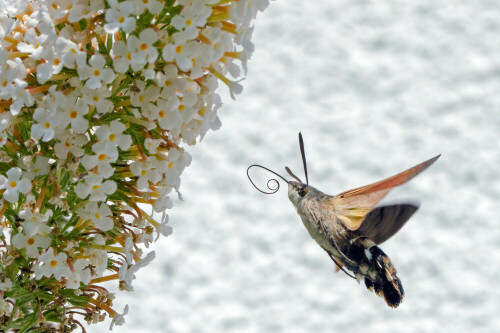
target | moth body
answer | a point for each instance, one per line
(348, 248)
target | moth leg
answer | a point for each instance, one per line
(339, 265)
(332, 242)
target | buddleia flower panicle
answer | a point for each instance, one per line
(98, 101)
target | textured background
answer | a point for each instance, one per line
(375, 87)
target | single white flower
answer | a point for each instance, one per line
(98, 98)
(104, 156)
(126, 273)
(128, 250)
(52, 265)
(170, 81)
(118, 16)
(162, 228)
(187, 22)
(54, 100)
(119, 319)
(34, 44)
(46, 121)
(152, 145)
(20, 96)
(186, 105)
(143, 96)
(94, 185)
(173, 166)
(100, 215)
(163, 202)
(35, 223)
(70, 144)
(153, 6)
(112, 136)
(142, 48)
(95, 72)
(80, 274)
(41, 166)
(98, 258)
(146, 171)
(74, 112)
(14, 185)
(166, 113)
(182, 53)
(52, 65)
(5, 285)
(31, 243)
(122, 57)
(67, 51)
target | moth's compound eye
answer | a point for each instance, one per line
(302, 191)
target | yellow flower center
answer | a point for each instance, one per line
(30, 241)
(143, 172)
(121, 19)
(144, 47)
(178, 49)
(97, 216)
(112, 137)
(102, 157)
(53, 263)
(73, 114)
(181, 107)
(13, 184)
(95, 187)
(95, 98)
(97, 72)
(129, 56)
(171, 164)
(161, 113)
(189, 22)
(56, 61)
(47, 125)
(167, 83)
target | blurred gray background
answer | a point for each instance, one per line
(375, 87)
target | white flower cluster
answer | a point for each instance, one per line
(96, 100)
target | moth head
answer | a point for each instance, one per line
(297, 190)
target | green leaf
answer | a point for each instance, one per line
(83, 24)
(30, 320)
(25, 299)
(80, 301)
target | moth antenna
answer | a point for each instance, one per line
(292, 175)
(301, 144)
(269, 182)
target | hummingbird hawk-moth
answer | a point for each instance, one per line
(349, 226)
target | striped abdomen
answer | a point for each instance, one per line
(369, 262)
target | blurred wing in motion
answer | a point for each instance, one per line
(352, 206)
(383, 222)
